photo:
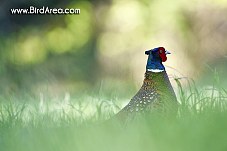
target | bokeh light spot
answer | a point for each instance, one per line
(30, 50)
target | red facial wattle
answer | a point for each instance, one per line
(163, 57)
(162, 53)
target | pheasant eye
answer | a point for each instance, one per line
(160, 51)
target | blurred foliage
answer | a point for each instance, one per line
(67, 124)
(59, 53)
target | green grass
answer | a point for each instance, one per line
(201, 124)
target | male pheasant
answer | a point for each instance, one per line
(156, 93)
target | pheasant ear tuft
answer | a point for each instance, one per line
(147, 52)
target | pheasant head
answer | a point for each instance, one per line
(155, 58)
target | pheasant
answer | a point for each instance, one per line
(156, 93)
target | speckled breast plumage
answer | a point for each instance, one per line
(155, 93)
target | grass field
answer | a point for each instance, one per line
(201, 124)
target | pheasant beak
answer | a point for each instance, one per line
(167, 52)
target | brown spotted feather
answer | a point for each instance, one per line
(156, 92)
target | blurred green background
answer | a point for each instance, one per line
(105, 44)
(61, 73)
